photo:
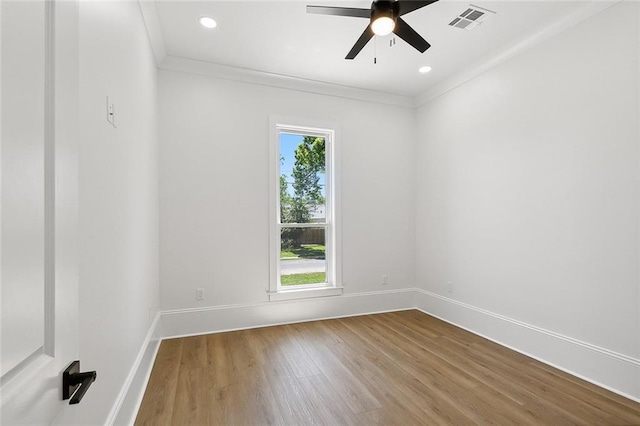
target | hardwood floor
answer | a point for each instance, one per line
(400, 368)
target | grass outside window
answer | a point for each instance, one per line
(303, 252)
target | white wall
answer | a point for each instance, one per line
(527, 191)
(214, 168)
(522, 193)
(118, 198)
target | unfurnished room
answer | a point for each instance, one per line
(320, 212)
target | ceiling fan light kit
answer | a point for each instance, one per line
(384, 18)
(383, 26)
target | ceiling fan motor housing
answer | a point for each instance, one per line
(384, 8)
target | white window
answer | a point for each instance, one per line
(304, 214)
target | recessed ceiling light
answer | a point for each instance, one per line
(207, 22)
(424, 69)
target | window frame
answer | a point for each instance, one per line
(333, 286)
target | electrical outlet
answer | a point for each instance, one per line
(450, 284)
(200, 294)
(385, 280)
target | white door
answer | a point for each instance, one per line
(39, 211)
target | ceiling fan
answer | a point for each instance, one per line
(384, 18)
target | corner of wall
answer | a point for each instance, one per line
(126, 406)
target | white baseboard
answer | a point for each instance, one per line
(607, 369)
(610, 370)
(126, 406)
(215, 319)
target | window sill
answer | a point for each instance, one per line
(304, 293)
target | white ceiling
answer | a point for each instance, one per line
(279, 37)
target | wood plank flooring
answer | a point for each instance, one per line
(401, 368)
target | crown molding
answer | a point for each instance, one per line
(513, 49)
(152, 24)
(226, 72)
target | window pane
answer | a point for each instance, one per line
(302, 256)
(302, 178)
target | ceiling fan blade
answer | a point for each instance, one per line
(406, 6)
(340, 11)
(408, 34)
(362, 41)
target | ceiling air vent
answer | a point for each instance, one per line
(471, 18)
